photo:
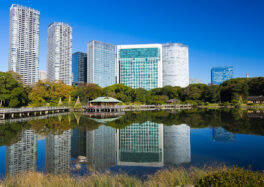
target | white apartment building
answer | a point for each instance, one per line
(24, 43)
(59, 53)
(175, 63)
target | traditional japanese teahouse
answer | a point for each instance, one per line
(104, 101)
(104, 104)
(256, 99)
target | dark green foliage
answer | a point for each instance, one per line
(12, 93)
(235, 177)
(87, 92)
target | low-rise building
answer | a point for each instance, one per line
(256, 99)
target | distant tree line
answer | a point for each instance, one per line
(45, 93)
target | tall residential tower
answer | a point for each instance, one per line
(59, 53)
(101, 63)
(24, 43)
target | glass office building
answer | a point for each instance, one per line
(101, 59)
(140, 66)
(221, 74)
(79, 67)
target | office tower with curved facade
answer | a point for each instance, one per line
(175, 64)
(140, 66)
(59, 53)
(101, 67)
(24, 43)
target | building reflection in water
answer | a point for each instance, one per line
(100, 148)
(58, 153)
(140, 145)
(22, 156)
(222, 135)
(177, 145)
(78, 143)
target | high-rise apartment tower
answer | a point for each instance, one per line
(24, 43)
(59, 53)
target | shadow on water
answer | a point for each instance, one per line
(137, 143)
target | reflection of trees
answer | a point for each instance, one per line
(235, 121)
(54, 125)
(11, 133)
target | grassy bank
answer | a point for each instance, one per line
(171, 177)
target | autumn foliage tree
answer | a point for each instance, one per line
(50, 93)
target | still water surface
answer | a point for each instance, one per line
(137, 143)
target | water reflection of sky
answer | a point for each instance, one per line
(138, 149)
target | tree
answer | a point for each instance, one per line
(12, 93)
(87, 92)
(46, 92)
(121, 92)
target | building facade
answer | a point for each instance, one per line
(42, 75)
(22, 156)
(79, 67)
(24, 43)
(175, 62)
(101, 59)
(221, 74)
(59, 53)
(140, 66)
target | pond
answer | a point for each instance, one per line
(136, 143)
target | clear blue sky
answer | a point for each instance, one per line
(218, 32)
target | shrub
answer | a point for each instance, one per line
(232, 177)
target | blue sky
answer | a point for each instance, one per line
(218, 32)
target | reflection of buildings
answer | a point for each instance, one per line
(22, 156)
(140, 145)
(58, 153)
(177, 146)
(78, 143)
(100, 147)
(221, 135)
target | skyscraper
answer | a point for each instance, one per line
(22, 156)
(101, 63)
(221, 74)
(79, 67)
(59, 53)
(175, 62)
(24, 43)
(140, 66)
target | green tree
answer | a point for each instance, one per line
(12, 93)
(87, 92)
